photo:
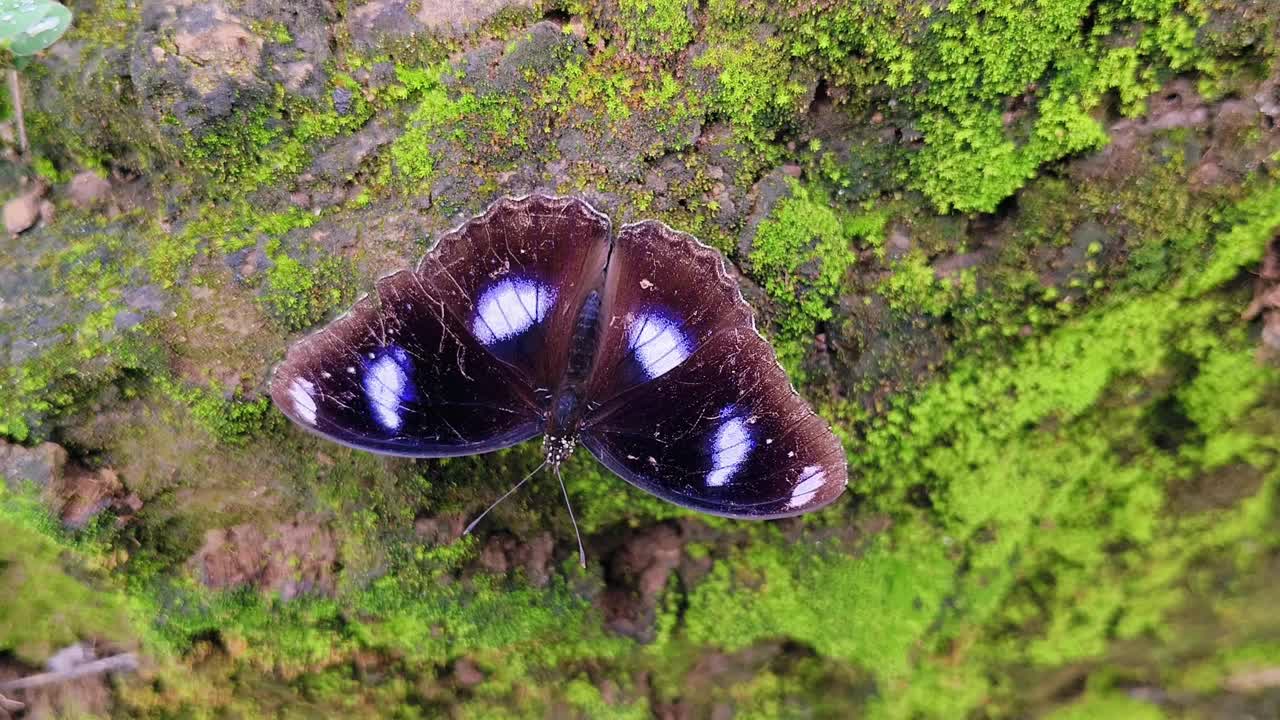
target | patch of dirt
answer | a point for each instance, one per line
(1266, 303)
(292, 559)
(637, 574)
(229, 343)
(531, 554)
(73, 492)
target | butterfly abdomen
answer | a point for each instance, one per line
(582, 347)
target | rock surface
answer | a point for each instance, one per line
(290, 559)
(1032, 290)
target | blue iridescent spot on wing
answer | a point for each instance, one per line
(811, 480)
(388, 385)
(730, 446)
(510, 307)
(658, 342)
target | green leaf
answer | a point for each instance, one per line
(29, 26)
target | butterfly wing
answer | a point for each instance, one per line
(454, 357)
(694, 407)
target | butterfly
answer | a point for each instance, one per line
(535, 318)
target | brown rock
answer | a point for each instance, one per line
(458, 17)
(41, 465)
(72, 491)
(86, 190)
(638, 574)
(221, 48)
(291, 559)
(439, 530)
(1271, 331)
(21, 212)
(84, 493)
(467, 674)
(503, 553)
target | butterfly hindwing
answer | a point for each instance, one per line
(698, 411)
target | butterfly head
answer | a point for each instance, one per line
(557, 448)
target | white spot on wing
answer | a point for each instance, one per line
(658, 343)
(386, 385)
(729, 449)
(510, 307)
(302, 393)
(811, 479)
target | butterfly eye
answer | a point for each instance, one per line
(510, 307)
(730, 447)
(658, 343)
(387, 386)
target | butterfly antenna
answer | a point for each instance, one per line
(582, 554)
(504, 497)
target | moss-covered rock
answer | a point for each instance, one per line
(1021, 255)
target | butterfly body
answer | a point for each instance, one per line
(535, 318)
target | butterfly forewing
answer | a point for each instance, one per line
(516, 276)
(404, 380)
(691, 404)
(455, 357)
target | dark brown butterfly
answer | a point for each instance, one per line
(533, 318)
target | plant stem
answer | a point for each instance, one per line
(15, 92)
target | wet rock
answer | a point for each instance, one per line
(898, 243)
(342, 98)
(87, 191)
(952, 265)
(887, 350)
(466, 673)
(140, 303)
(82, 494)
(198, 61)
(1178, 104)
(455, 18)
(539, 52)
(75, 493)
(637, 575)
(765, 195)
(291, 559)
(344, 157)
(504, 553)
(147, 298)
(376, 21)
(439, 530)
(22, 212)
(41, 465)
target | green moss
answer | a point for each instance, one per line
(657, 27)
(230, 421)
(801, 253)
(1112, 706)
(757, 92)
(49, 602)
(1255, 221)
(881, 602)
(583, 695)
(87, 351)
(270, 142)
(915, 287)
(480, 125)
(299, 296)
